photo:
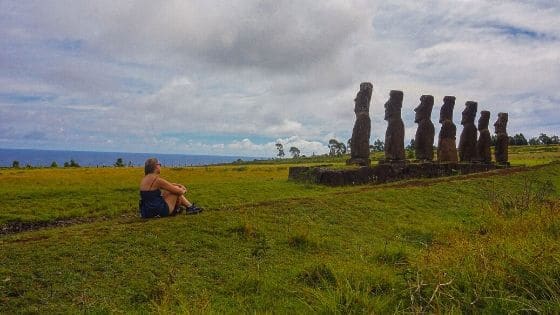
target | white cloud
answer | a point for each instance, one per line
(286, 127)
(248, 148)
(75, 73)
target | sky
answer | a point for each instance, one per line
(235, 77)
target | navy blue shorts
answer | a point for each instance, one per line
(154, 212)
(152, 205)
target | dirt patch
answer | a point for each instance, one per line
(31, 239)
(15, 227)
(20, 226)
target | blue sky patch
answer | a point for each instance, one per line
(24, 98)
(519, 32)
(215, 138)
(70, 45)
(138, 86)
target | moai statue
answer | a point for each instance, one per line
(502, 139)
(447, 145)
(394, 136)
(484, 139)
(424, 139)
(467, 142)
(362, 127)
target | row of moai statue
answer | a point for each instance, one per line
(470, 149)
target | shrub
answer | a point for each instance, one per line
(72, 163)
(119, 163)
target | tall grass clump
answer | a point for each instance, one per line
(395, 257)
(317, 276)
(510, 264)
(246, 231)
(347, 298)
(531, 194)
(301, 241)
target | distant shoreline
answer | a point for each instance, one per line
(44, 158)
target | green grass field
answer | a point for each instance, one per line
(466, 244)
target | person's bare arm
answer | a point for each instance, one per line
(179, 185)
(172, 188)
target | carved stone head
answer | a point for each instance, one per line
(446, 112)
(501, 124)
(469, 114)
(483, 120)
(424, 110)
(363, 98)
(393, 105)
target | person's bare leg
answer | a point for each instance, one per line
(184, 202)
(172, 200)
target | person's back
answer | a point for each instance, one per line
(152, 203)
(160, 198)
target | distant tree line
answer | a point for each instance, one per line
(337, 148)
(294, 151)
(73, 163)
(519, 139)
(280, 149)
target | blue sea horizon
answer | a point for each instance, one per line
(44, 158)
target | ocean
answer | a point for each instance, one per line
(43, 158)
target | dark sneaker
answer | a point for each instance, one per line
(180, 210)
(193, 209)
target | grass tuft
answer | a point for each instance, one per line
(246, 231)
(418, 238)
(392, 257)
(317, 276)
(553, 230)
(301, 242)
(261, 247)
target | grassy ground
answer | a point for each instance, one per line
(465, 244)
(534, 155)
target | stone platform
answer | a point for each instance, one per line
(384, 172)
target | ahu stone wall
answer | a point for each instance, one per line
(383, 173)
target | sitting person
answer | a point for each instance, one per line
(157, 203)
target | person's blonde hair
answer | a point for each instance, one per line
(150, 165)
